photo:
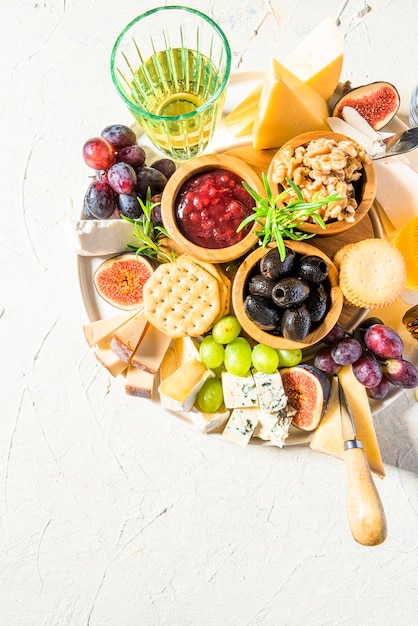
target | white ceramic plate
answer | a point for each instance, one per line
(241, 84)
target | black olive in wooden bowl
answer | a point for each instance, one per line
(287, 304)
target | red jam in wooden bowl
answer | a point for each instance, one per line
(210, 207)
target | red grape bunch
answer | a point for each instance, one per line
(374, 351)
(122, 174)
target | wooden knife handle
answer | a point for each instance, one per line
(365, 512)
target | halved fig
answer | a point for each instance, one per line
(377, 102)
(121, 279)
(307, 390)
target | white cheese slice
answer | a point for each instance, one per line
(271, 395)
(239, 391)
(241, 425)
(178, 392)
(101, 237)
(208, 422)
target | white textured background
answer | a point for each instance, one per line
(110, 513)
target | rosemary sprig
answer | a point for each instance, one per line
(279, 221)
(149, 234)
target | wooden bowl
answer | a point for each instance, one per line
(189, 170)
(240, 287)
(365, 187)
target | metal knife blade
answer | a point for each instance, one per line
(347, 422)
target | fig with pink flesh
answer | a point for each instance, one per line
(376, 102)
(307, 390)
(121, 279)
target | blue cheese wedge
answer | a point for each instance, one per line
(208, 422)
(274, 427)
(241, 425)
(178, 392)
(239, 391)
(271, 395)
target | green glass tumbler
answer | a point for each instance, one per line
(171, 66)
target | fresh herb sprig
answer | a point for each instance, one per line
(279, 221)
(150, 234)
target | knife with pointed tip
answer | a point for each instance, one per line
(365, 512)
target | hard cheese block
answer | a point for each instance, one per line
(317, 60)
(110, 361)
(139, 383)
(328, 436)
(287, 108)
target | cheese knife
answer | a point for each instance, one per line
(366, 516)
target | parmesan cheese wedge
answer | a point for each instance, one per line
(318, 58)
(287, 108)
(328, 436)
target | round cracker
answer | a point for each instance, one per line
(182, 299)
(372, 273)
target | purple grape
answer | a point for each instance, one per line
(400, 373)
(129, 206)
(346, 351)
(119, 136)
(156, 210)
(132, 155)
(380, 391)
(149, 177)
(324, 361)
(383, 341)
(334, 334)
(99, 201)
(165, 166)
(122, 178)
(368, 370)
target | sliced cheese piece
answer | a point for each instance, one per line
(287, 108)
(396, 189)
(101, 331)
(318, 58)
(240, 121)
(328, 436)
(208, 422)
(151, 349)
(239, 391)
(241, 425)
(186, 348)
(110, 361)
(169, 364)
(139, 383)
(101, 237)
(271, 395)
(126, 338)
(178, 392)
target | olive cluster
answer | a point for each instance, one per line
(288, 298)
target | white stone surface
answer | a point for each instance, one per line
(111, 514)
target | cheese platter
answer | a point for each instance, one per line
(242, 84)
